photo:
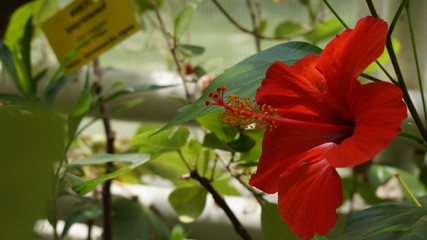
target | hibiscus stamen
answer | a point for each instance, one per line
(249, 114)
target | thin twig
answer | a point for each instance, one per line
(111, 136)
(417, 64)
(172, 48)
(252, 32)
(254, 25)
(238, 227)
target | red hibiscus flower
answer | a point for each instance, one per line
(325, 119)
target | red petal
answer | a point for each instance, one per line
(308, 198)
(378, 111)
(283, 148)
(346, 56)
(298, 92)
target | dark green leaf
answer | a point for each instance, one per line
(273, 227)
(243, 144)
(253, 155)
(80, 216)
(6, 58)
(387, 221)
(183, 20)
(26, 54)
(211, 140)
(132, 221)
(13, 98)
(324, 30)
(190, 50)
(83, 186)
(188, 201)
(262, 26)
(166, 141)
(289, 29)
(244, 78)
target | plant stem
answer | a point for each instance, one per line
(238, 227)
(255, 29)
(111, 136)
(417, 64)
(171, 43)
(414, 199)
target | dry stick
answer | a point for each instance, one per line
(172, 48)
(255, 33)
(111, 136)
(238, 227)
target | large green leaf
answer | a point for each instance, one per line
(166, 141)
(244, 78)
(83, 186)
(272, 224)
(188, 201)
(388, 221)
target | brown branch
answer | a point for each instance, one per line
(172, 48)
(238, 227)
(252, 32)
(111, 136)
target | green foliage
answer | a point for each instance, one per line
(81, 215)
(388, 221)
(273, 227)
(167, 141)
(131, 220)
(183, 20)
(288, 29)
(190, 50)
(324, 30)
(83, 186)
(178, 233)
(244, 78)
(188, 201)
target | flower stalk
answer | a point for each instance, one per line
(411, 195)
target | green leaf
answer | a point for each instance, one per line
(17, 23)
(273, 227)
(324, 30)
(211, 140)
(83, 186)
(166, 141)
(253, 155)
(387, 221)
(80, 215)
(214, 124)
(183, 20)
(178, 233)
(26, 56)
(190, 50)
(244, 78)
(379, 174)
(243, 144)
(133, 221)
(6, 58)
(82, 105)
(50, 93)
(262, 26)
(289, 29)
(188, 201)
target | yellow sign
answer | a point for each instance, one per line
(101, 23)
